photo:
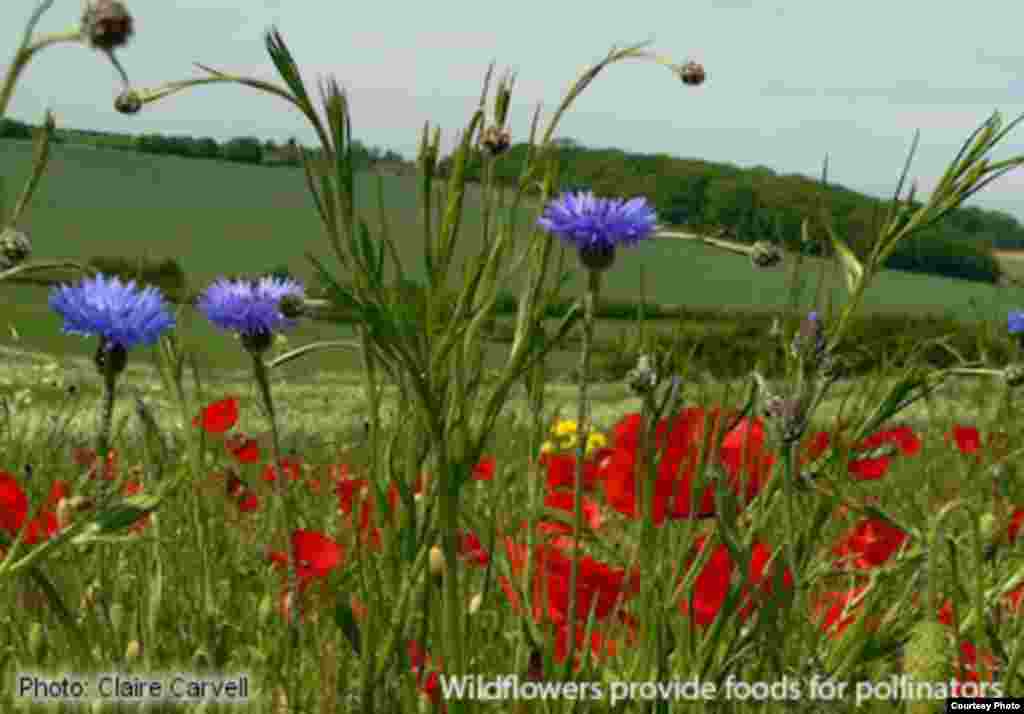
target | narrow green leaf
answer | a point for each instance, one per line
(345, 619)
(853, 271)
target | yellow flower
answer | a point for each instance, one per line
(596, 441)
(547, 447)
(570, 442)
(564, 427)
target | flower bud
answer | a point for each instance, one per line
(475, 602)
(133, 650)
(128, 102)
(692, 74)
(438, 566)
(14, 248)
(107, 24)
(117, 614)
(291, 306)
(1014, 375)
(642, 378)
(765, 254)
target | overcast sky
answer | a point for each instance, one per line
(788, 81)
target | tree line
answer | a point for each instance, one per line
(243, 149)
(751, 204)
(746, 204)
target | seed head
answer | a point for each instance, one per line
(692, 74)
(15, 247)
(107, 24)
(128, 102)
(496, 140)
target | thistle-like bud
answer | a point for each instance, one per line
(128, 102)
(642, 378)
(809, 341)
(600, 256)
(692, 74)
(496, 140)
(788, 413)
(1014, 375)
(15, 247)
(112, 352)
(257, 342)
(765, 255)
(291, 306)
(107, 24)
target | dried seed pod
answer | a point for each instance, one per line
(692, 74)
(438, 567)
(15, 247)
(107, 24)
(496, 140)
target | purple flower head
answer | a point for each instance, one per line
(248, 308)
(596, 226)
(1016, 322)
(120, 314)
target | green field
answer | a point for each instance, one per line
(217, 217)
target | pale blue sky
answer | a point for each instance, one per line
(787, 81)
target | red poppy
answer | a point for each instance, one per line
(86, 457)
(290, 466)
(713, 582)
(561, 470)
(1016, 523)
(868, 468)
(315, 555)
(243, 496)
(565, 501)
(427, 681)
(13, 504)
(967, 438)
(472, 549)
(969, 669)
(833, 604)
(484, 471)
(218, 417)
(872, 542)
(245, 450)
(681, 441)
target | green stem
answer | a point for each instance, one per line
(21, 60)
(582, 435)
(260, 371)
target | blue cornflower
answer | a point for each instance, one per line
(121, 314)
(596, 226)
(249, 308)
(1016, 322)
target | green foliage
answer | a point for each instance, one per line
(246, 150)
(759, 204)
(163, 273)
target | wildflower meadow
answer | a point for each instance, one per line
(710, 550)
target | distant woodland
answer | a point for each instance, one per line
(691, 194)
